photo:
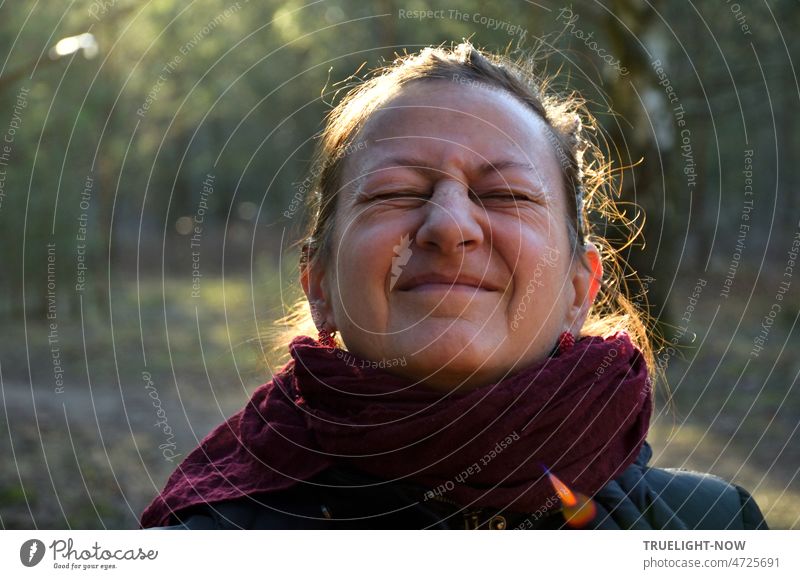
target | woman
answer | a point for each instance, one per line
(484, 375)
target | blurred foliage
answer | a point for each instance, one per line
(235, 89)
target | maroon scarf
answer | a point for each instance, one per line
(583, 414)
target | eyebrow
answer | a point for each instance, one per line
(424, 166)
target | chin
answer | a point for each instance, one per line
(452, 362)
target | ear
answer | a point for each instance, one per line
(587, 274)
(312, 278)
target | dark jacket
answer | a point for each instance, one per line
(339, 498)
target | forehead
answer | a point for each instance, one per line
(460, 124)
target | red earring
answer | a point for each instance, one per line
(326, 338)
(565, 341)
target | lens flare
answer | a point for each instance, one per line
(578, 509)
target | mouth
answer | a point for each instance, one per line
(443, 283)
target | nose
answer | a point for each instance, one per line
(452, 221)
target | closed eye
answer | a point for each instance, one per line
(510, 196)
(401, 195)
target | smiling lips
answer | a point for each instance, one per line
(441, 282)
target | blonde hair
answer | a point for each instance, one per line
(590, 181)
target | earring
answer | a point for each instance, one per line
(565, 341)
(325, 338)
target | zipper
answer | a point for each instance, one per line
(472, 517)
(444, 500)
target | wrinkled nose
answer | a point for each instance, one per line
(453, 222)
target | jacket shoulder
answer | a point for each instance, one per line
(645, 497)
(703, 501)
(278, 510)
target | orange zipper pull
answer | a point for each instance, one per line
(578, 509)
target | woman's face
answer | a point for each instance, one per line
(451, 261)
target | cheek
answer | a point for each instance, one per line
(363, 261)
(539, 278)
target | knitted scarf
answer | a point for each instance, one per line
(583, 414)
